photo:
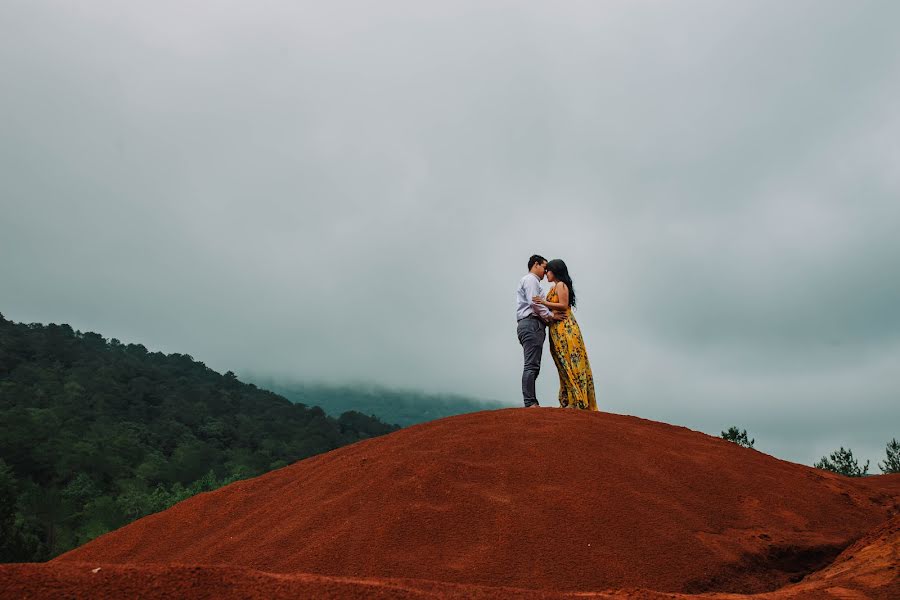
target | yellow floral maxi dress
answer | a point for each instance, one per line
(576, 383)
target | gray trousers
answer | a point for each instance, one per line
(532, 333)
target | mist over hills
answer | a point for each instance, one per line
(400, 407)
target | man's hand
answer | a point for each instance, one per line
(558, 316)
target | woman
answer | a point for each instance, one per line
(576, 383)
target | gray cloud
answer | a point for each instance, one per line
(349, 192)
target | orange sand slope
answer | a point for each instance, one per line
(865, 570)
(551, 501)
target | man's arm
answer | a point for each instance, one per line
(533, 288)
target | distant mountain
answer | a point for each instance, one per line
(95, 434)
(400, 407)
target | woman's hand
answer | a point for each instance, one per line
(538, 300)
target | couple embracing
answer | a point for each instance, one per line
(536, 313)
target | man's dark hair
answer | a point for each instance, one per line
(535, 259)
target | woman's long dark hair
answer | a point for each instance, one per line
(561, 272)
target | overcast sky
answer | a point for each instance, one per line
(349, 192)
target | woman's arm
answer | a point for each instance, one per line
(562, 293)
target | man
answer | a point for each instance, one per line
(533, 319)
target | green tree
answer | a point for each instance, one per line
(9, 545)
(842, 462)
(16, 543)
(739, 437)
(892, 463)
(359, 425)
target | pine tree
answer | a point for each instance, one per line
(739, 437)
(842, 462)
(892, 464)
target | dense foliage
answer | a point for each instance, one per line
(95, 433)
(391, 406)
(738, 436)
(842, 461)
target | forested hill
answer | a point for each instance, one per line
(392, 406)
(95, 433)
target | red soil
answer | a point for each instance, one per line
(866, 570)
(550, 501)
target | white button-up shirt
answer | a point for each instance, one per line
(529, 287)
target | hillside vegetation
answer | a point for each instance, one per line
(95, 434)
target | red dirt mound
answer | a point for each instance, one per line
(868, 569)
(550, 500)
